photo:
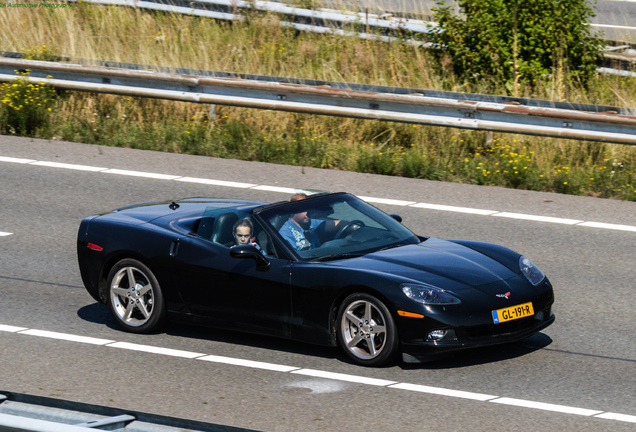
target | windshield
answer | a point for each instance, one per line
(335, 226)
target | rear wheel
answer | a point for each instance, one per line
(366, 331)
(134, 297)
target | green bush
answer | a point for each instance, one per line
(517, 41)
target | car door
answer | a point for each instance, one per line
(232, 292)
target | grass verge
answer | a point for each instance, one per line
(260, 46)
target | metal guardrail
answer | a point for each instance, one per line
(468, 111)
(316, 21)
(373, 27)
(28, 413)
(370, 26)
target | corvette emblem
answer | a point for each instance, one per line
(506, 295)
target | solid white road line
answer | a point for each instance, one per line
(284, 190)
(289, 191)
(344, 377)
(13, 329)
(537, 218)
(155, 350)
(69, 166)
(455, 209)
(546, 407)
(215, 182)
(444, 392)
(386, 201)
(325, 375)
(141, 174)
(619, 417)
(66, 337)
(609, 226)
(248, 363)
(4, 234)
(15, 160)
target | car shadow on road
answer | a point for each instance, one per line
(253, 340)
(99, 314)
(460, 359)
(483, 355)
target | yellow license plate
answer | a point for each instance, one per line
(512, 313)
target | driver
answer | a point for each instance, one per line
(301, 232)
(300, 229)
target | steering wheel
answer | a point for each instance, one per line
(349, 228)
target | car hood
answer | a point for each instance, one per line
(437, 262)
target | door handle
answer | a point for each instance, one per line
(174, 247)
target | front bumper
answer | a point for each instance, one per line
(478, 336)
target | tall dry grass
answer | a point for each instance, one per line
(261, 46)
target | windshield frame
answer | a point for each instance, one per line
(272, 217)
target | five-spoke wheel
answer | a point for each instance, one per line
(366, 331)
(134, 297)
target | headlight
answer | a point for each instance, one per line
(531, 271)
(428, 295)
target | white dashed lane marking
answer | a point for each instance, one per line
(65, 336)
(15, 160)
(609, 226)
(311, 372)
(444, 392)
(155, 350)
(546, 407)
(69, 166)
(455, 209)
(273, 367)
(537, 218)
(386, 201)
(216, 182)
(247, 363)
(287, 190)
(344, 377)
(141, 174)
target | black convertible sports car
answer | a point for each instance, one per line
(329, 269)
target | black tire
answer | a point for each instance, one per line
(366, 330)
(138, 307)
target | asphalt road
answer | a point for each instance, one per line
(577, 375)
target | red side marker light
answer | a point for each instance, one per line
(95, 247)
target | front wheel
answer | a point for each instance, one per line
(366, 331)
(134, 297)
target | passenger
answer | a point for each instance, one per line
(242, 232)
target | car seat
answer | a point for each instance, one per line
(204, 230)
(222, 231)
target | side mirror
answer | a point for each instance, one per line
(249, 251)
(396, 217)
